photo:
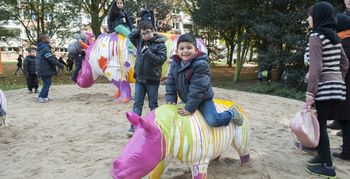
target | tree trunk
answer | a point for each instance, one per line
(242, 49)
(96, 24)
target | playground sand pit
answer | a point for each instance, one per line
(79, 132)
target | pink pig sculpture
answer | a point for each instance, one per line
(107, 56)
(163, 134)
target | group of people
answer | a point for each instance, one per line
(189, 76)
(28, 67)
(328, 88)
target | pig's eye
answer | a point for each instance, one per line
(135, 158)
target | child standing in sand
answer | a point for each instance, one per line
(45, 63)
(151, 55)
(30, 72)
(189, 78)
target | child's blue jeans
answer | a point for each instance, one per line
(213, 118)
(140, 92)
(47, 80)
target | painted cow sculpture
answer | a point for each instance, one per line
(164, 134)
(108, 56)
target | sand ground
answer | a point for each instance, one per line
(77, 134)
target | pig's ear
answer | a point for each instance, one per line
(148, 126)
(133, 118)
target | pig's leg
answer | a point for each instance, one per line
(116, 83)
(125, 92)
(158, 171)
(241, 141)
(199, 171)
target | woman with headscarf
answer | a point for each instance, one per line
(326, 87)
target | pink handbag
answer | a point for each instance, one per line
(306, 128)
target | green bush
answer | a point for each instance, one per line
(277, 89)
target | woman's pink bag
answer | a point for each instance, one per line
(306, 128)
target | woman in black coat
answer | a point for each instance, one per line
(343, 115)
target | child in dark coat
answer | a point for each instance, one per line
(151, 55)
(19, 64)
(30, 72)
(118, 21)
(189, 78)
(45, 63)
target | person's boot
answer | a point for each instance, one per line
(334, 125)
(345, 154)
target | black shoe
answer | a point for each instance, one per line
(304, 148)
(322, 171)
(341, 156)
(316, 161)
(334, 125)
(131, 131)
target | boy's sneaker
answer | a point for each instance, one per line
(316, 161)
(43, 100)
(131, 131)
(29, 91)
(322, 171)
(236, 116)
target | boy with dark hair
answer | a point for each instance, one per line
(190, 79)
(30, 72)
(45, 63)
(151, 54)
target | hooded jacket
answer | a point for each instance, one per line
(45, 61)
(190, 81)
(148, 64)
(119, 18)
(29, 65)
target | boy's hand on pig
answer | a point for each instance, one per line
(183, 112)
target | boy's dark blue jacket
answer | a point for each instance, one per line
(190, 81)
(45, 61)
(148, 64)
(29, 65)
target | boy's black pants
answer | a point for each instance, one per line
(32, 82)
